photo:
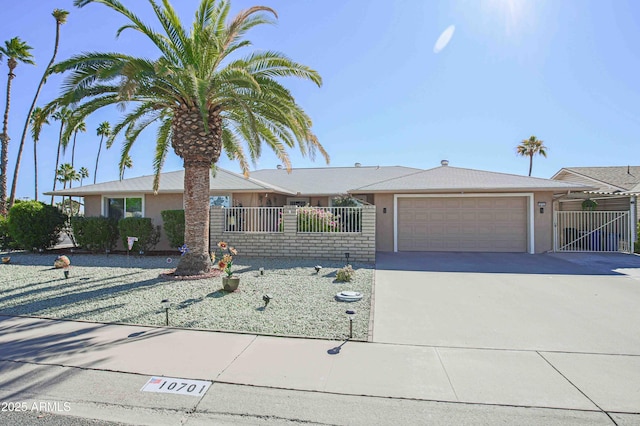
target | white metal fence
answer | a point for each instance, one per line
(252, 219)
(308, 219)
(593, 231)
(329, 219)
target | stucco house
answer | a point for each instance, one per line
(402, 209)
(615, 187)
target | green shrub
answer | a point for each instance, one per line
(6, 242)
(345, 274)
(173, 222)
(142, 228)
(95, 233)
(35, 225)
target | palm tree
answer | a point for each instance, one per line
(62, 115)
(39, 118)
(67, 174)
(104, 129)
(204, 100)
(80, 127)
(60, 17)
(529, 148)
(83, 173)
(16, 51)
(127, 163)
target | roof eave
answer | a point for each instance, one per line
(471, 190)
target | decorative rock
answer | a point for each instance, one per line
(61, 262)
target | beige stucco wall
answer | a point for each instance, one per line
(154, 205)
(543, 222)
(384, 221)
(93, 205)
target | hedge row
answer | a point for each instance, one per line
(101, 233)
(33, 225)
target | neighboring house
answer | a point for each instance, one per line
(440, 209)
(616, 188)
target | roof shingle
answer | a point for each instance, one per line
(447, 178)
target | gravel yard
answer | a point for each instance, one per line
(117, 289)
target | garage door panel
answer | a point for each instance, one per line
(462, 224)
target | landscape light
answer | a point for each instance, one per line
(352, 315)
(267, 298)
(166, 304)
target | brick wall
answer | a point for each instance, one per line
(361, 246)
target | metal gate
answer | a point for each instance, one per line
(601, 231)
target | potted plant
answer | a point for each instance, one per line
(225, 264)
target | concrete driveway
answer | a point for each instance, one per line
(579, 303)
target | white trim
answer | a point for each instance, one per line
(633, 214)
(530, 214)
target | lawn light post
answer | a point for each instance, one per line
(166, 304)
(317, 268)
(352, 314)
(261, 270)
(266, 298)
(346, 256)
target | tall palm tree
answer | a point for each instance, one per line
(80, 127)
(83, 173)
(63, 115)
(529, 148)
(16, 51)
(61, 17)
(67, 174)
(39, 118)
(204, 100)
(127, 163)
(104, 130)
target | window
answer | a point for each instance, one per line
(220, 200)
(297, 201)
(119, 208)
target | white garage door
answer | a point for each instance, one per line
(492, 224)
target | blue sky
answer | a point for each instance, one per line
(565, 71)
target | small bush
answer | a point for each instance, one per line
(95, 233)
(311, 219)
(173, 222)
(345, 274)
(142, 228)
(35, 225)
(6, 242)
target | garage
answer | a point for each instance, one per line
(483, 224)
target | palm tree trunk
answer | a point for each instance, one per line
(196, 219)
(530, 163)
(55, 175)
(95, 172)
(35, 168)
(4, 151)
(43, 80)
(73, 153)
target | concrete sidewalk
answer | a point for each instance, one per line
(103, 365)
